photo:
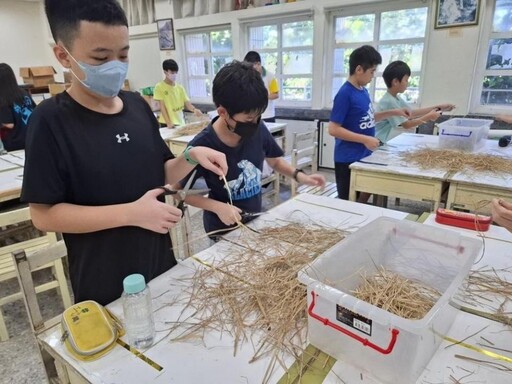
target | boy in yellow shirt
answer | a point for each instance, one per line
(172, 97)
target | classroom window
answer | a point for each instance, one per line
(398, 34)
(286, 49)
(205, 53)
(497, 71)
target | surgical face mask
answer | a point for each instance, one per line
(172, 77)
(245, 129)
(105, 79)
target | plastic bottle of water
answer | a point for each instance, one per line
(138, 313)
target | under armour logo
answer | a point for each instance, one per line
(121, 138)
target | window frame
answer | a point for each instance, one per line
(186, 75)
(279, 21)
(486, 34)
(376, 9)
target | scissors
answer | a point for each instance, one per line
(382, 144)
(250, 215)
(183, 193)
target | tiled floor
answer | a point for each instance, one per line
(19, 359)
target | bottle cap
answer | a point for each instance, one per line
(134, 283)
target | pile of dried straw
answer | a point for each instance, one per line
(456, 161)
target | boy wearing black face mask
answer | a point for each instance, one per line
(240, 97)
(95, 158)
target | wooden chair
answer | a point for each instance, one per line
(25, 264)
(329, 190)
(273, 179)
(8, 267)
(304, 154)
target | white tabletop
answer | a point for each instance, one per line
(498, 179)
(11, 174)
(414, 140)
(6, 165)
(387, 159)
(15, 157)
(209, 360)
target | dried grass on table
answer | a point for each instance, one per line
(403, 297)
(253, 293)
(488, 293)
(456, 161)
(191, 128)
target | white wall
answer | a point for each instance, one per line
(450, 59)
(145, 63)
(22, 35)
(449, 69)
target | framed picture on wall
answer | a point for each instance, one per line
(165, 34)
(456, 13)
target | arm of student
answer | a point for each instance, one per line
(193, 109)
(505, 118)
(431, 115)
(227, 213)
(8, 126)
(438, 108)
(446, 107)
(502, 213)
(280, 165)
(404, 112)
(339, 132)
(146, 212)
(176, 169)
(420, 112)
(273, 96)
(163, 111)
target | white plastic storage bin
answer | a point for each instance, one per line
(463, 134)
(390, 348)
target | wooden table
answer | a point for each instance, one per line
(11, 175)
(177, 144)
(210, 361)
(385, 173)
(470, 190)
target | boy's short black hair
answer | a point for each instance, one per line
(252, 57)
(240, 89)
(170, 65)
(64, 16)
(395, 70)
(365, 56)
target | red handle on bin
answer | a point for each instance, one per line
(365, 342)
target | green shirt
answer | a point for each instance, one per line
(389, 128)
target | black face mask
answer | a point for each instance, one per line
(245, 129)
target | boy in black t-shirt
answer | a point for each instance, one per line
(95, 158)
(240, 97)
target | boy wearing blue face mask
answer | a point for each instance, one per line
(240, 97)
(95, 158)
(172, 97)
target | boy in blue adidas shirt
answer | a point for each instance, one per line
(352, 121)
